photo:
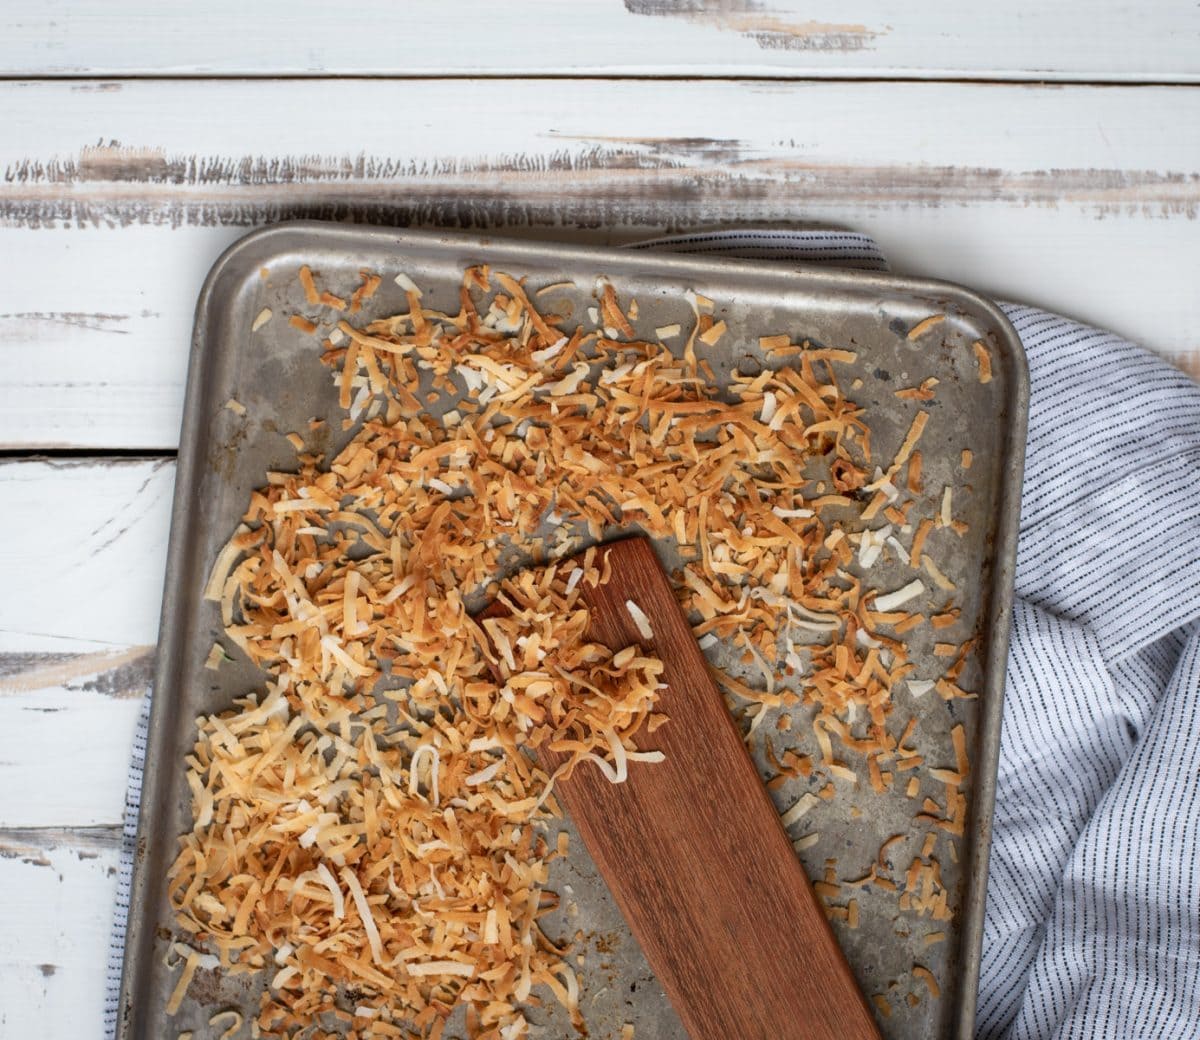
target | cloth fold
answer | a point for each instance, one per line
(1093, 912)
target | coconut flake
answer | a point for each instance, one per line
(894, 600)
(426, 968)
(364, 914)
(540, 357)
(483, 775)
(569, 383)
(414, 775)
(898, 549)
(407, 284)
(803, 805)
(792, 514)
(339, 902)
(871, 545)
(640, 620)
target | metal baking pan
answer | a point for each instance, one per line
(278, 377)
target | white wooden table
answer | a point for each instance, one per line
(1047, 152)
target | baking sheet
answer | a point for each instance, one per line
(278, 377)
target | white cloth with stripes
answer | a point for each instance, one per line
(1093, 912)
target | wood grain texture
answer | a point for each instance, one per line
(66, 751)
(83, 548)
(58, 890)
(1157, 40)
(693, 851)
(1075, 199)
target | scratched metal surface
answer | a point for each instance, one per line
(278, 377)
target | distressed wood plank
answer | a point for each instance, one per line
(83, 550)
(83, 553)
(1157, 40)
(66, 747)
(1077, 199)
(58, 896)
(35, 843)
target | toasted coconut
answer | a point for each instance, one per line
(337, 850)
(984, 360)
(216, 657)
(924, 325)
(311, 295)
(712, 336)
(407, 284)
(926, 976)
(640, 620)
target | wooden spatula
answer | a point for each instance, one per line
(693, 850)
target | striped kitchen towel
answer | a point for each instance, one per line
(1093, 910)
